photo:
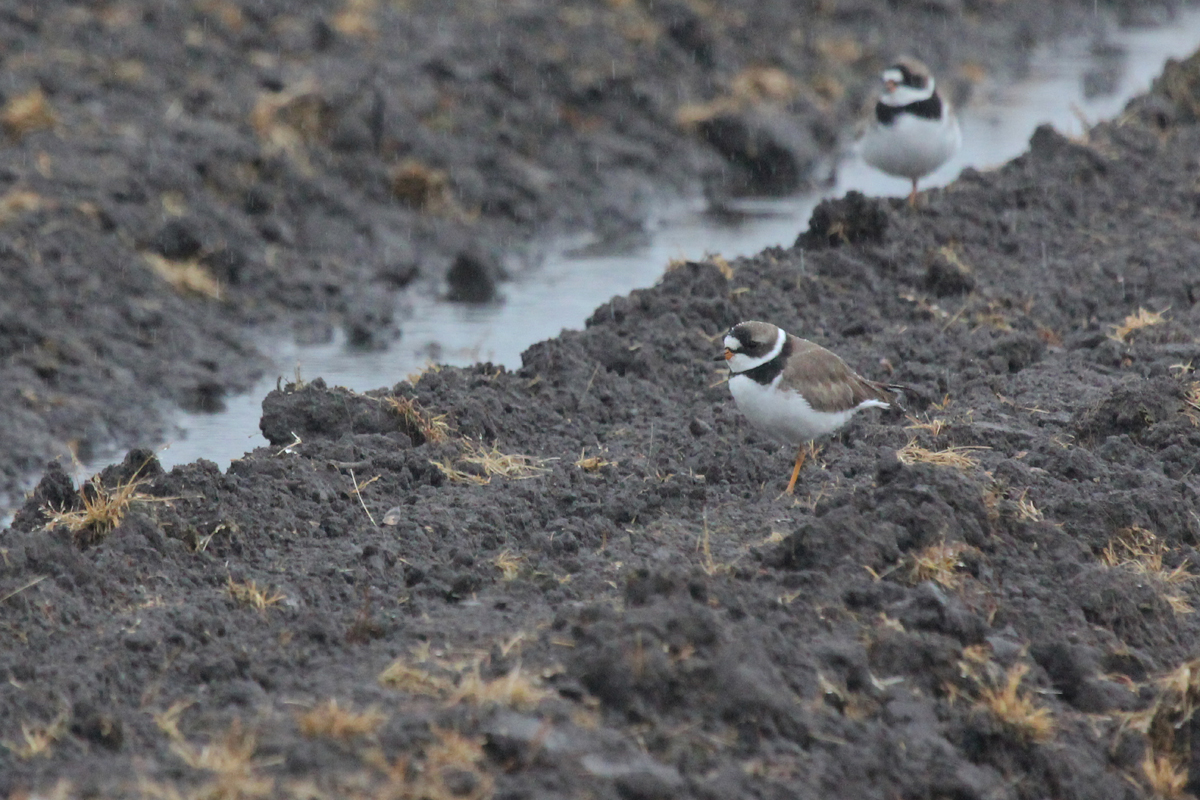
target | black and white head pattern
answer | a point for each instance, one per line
(908, 88)
(749, 345)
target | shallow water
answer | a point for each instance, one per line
(1070, 81)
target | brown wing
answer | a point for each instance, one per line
(829, 383)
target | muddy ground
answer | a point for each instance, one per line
(580, 579)
(174, 170)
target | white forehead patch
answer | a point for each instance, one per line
(732, 342)
(902, 94)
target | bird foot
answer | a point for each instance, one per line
(806, 450)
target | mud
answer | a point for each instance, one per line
(626, 606)
(580, 578)
(174, 171)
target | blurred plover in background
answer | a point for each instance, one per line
(914, 131)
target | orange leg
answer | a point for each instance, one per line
(912, 196)
(796, 470)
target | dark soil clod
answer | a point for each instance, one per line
(852, 219)
(473, 278)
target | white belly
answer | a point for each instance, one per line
(786, 415)
(911, 147)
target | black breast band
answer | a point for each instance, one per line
(765, 373)
(929, 108)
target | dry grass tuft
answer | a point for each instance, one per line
(447, 759)
(248, 593)
(292, 117)
(750, 87)
(956, 457)
(1166, 775)
(168, 721)
(841, 50)
(949, 253)
(691, 114)
(422, 187)
(763, 84)
(514, 690)
(185, 277)
(489, 463)
(1016, 709)
(357, 19)
(1135, 322)
(592, 463)
(414, 378)
(1179, 693)
(1027, 511)
(708, 562)
(939, 563)
(452, 749)
(1164, 768)
(232, 760)
(1141, 552)
(721, 263)
(993, 317)
(288, 121)
(509, 564)
(943, 404)
(233, 751)
(992, 496)
(1191, 402)
(463, 683)
(17, 202)
(404, 677)
(1138, 548)
(37, 740)
(934, 426)
(334, 722)
(27, 113)
(62, 789)
(433, 428)
(1050, 336)
(976, 656)
(103, 509)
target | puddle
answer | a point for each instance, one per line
(1070, 81)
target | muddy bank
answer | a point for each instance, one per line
(174, 171)
(578, 579)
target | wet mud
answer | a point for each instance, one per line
(580, 579)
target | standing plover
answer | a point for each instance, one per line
(914, 130)
(795, 390)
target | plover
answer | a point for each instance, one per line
(793, 389)
(914, 130)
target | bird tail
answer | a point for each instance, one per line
(897, 392)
